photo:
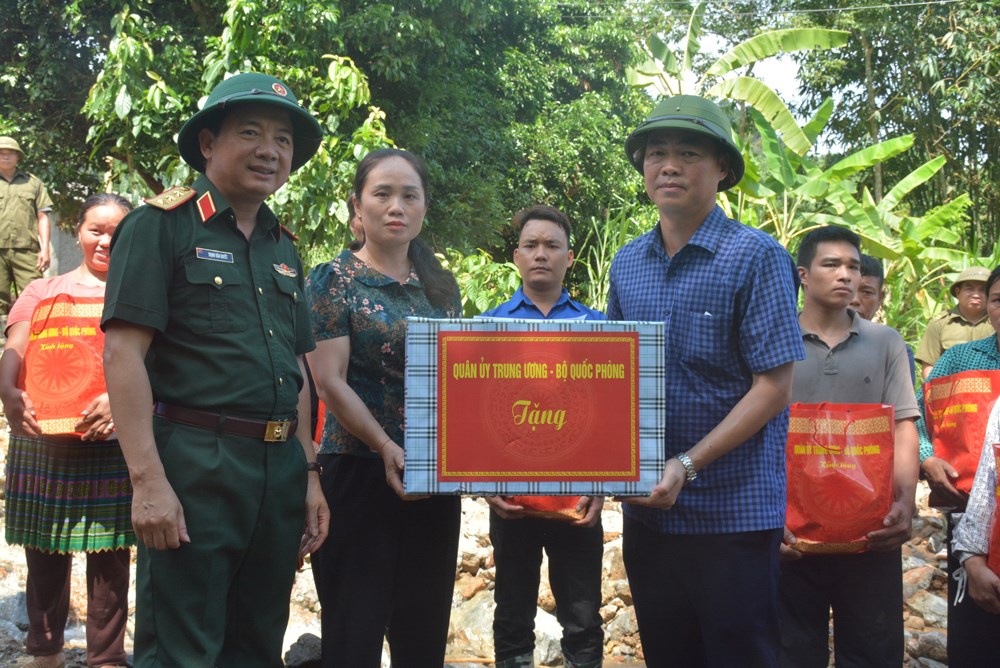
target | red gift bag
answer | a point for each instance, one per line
(63, 369)
(839, 461)
(957, 408)
(549, 507)
(993, 561)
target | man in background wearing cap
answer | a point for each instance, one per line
(205, 315)
(701, 551)
(966, 322)
(24, 226)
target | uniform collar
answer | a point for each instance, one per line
(17, 173)
(211, 202)
(956, 314)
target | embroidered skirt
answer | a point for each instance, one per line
(66, 495)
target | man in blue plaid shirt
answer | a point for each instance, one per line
(701, 550)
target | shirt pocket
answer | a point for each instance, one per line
(284, 302)
(705, 340)
(214, 297)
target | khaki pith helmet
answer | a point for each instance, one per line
(252, 87)
(688, 112)
(979, 274)
(8, 142)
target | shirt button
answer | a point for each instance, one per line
(281, 381)
(270, 332)
(218, 280)
(295, 297)
(260, 291)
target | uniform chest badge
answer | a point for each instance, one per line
(285, 270)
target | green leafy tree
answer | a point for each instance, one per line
(929, 70)
(787, 195)
(670, 75)
(510, 103)
(156, 72)
(48, 55)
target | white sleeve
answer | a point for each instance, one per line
(972, 535)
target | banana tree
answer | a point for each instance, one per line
(667, 74)
(787, 195)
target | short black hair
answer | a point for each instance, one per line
(812, 240)
(871, 267)
(542, 212)
(994, 277)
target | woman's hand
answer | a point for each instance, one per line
(20, 413)
(96, 423)
(984, 585)
(392, 458)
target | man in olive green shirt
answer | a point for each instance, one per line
(206, 321)
(966, 322)
(24, 225)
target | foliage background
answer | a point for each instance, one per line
(521, 101)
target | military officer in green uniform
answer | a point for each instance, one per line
(206, 323)
(24, 225)
(962, 324)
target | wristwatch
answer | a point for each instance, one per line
(688, 467)
(315, 466)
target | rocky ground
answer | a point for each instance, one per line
(470, 641)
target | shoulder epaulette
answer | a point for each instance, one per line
(287, 231)
(170, 199)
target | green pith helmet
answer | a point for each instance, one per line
(688, 112)
(252, 87)
(978, 274)
(8, 142)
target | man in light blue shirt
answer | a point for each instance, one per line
(575, 548)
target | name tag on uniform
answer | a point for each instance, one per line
(213, 255)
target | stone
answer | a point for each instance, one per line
(623, 626)
(917, 579)
(548, 634)
(932, 608)
(469, 563)
(612, 564)
(932, 645)
(304, 652)
(469, 585)
(930, 663)
(471, 631)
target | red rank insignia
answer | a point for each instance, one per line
(279, 89)
(206, 207)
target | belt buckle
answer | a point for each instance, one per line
(276, 431)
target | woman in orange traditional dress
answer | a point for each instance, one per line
(67, 486)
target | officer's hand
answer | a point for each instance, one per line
(505, 509)
(317, 518)
(941, 477)
(43, 260)
(591, 507)
(392, 458)
(96, 422)
(157, 515)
